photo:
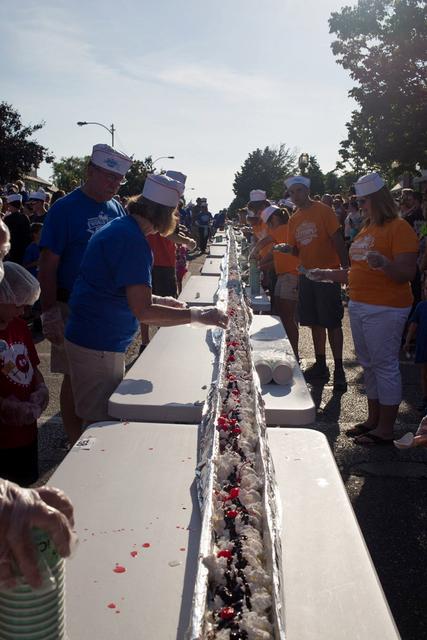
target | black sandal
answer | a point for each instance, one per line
(359, 430)
(372, 440)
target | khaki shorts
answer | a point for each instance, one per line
(58, 357)
(286, 287)
(94, 377)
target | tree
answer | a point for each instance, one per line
(263, 169)
(135, 177)
(18, 153)
(69, 172)
(332, 183)
(383, 45)
(315, 174)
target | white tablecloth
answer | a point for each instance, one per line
(169, 381)
(211, 267)
(291, 404)
(200, 290)
(135, 486)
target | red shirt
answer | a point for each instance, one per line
(163, 250)
(18, 362)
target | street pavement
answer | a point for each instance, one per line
(387, 487)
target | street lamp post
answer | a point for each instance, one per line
(303, 162)
(162, 158)
(111, 130)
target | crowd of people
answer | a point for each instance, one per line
(104, 266)
(308, 248)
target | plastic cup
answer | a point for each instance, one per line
(36, 614)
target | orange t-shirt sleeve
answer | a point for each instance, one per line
(404, 239)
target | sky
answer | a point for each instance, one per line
(206, 82)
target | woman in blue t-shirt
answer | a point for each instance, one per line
(112, 295)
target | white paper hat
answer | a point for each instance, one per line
(176, 175)
(37, 195)
(257, 195)
(14, 197)
(289, 182)
(266, 213)
(163, 190)
(108, 158)
(368, 184)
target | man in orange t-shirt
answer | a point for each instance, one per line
(257, 204)
(316, 238)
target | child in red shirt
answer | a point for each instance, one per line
(23, 394)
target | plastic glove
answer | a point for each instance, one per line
(376, 260)
(202, 316)
(283, 248)
(190, 244)
(169, 301)
(18, 412)
(40, 397)
(20, 511)
(53, 325)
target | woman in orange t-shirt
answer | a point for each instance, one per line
(383, 263)
(286, 269)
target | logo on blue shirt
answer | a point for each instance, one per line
(111, 162)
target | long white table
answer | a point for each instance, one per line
(169, 381)
(200, 290)
(211, 267)
(135, 487)
(217, 251)
(290, 405)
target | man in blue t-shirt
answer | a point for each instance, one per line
(68, 227)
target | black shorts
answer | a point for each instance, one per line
(164, 281)
(319, 304)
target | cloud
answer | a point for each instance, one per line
(228, 83)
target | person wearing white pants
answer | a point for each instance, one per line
(377, 334)
(383, 262)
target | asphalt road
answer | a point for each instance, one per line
(387, 487)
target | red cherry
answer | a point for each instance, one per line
(234, 492)
(224, 553)
(232, 513)
(226, 613)
(222, 427)
(236, 431)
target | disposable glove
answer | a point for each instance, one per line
(53, 325)
(202, 316)
(21, 510)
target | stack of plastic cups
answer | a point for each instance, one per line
(36, 614)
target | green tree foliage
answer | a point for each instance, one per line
(69, 172)
(383, 44)
(332, 182)
(316, 176)
(263, 169)
(18, 153)
(136, 176)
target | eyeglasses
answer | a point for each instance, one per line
(112, 177)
